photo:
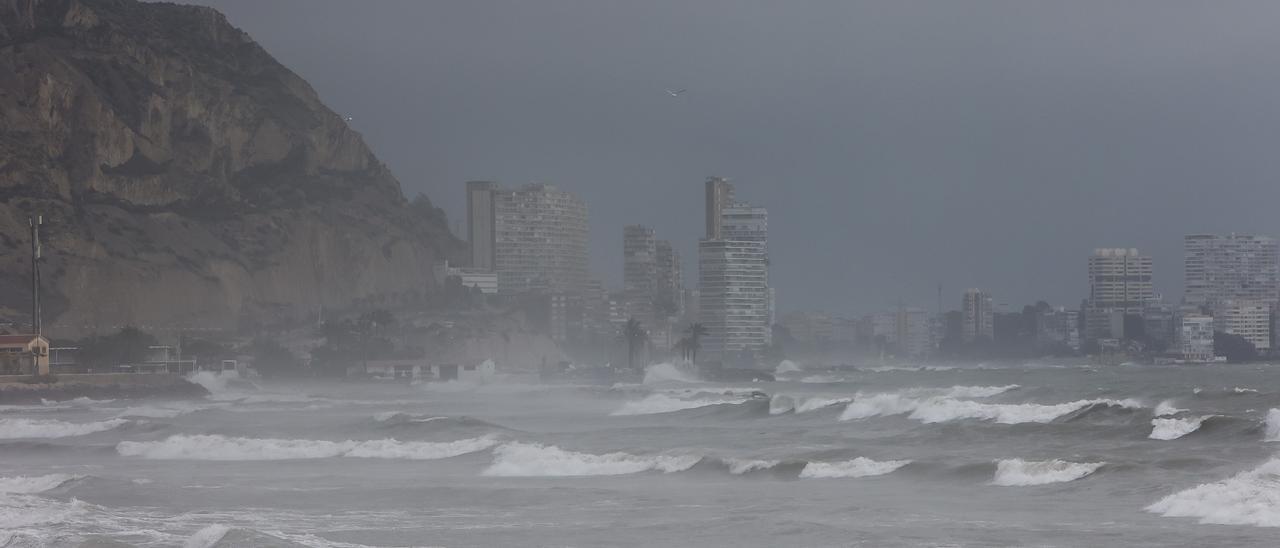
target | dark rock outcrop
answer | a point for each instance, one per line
(187, 179)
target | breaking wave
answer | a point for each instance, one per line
(1172, 429)
(1248, 498)
(533, 460)
(26, 485)
(787, 366)
(738, 467)
(1018, 472)
(50, 428)
(1166, 408)
(401, 417)
(666, 372)
(665, 403)
(1273, 425)
(857, 468)
(208, 537)
(783, 403)
(944, 409)
(215, 447)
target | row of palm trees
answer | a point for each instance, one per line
(636, 337)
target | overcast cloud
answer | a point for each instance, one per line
(896, 144)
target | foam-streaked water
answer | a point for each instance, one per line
(1041, 455)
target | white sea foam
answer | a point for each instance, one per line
(822, 379)
(932, 400)
(943, 410)
(76, 402)
(666, 372)
(1239, 390)
(394, 415)
(781, 403)
(215, 383)
(1018, 472)
(1273, 425)
(1166, 408)
(977, 391)
(207, 537)
(1248, 498)
(50, 428)
(33, 484)
(215, 447)
(787, 366)
(1172, 429)
(742, 466)
(528, 459)
(856, 468)
(663, 403)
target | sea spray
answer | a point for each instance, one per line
(1248, 498)
(1172, 429)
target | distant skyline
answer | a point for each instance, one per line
(896, 145)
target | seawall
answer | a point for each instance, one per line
(98, 386)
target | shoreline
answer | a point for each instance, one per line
(98, 386)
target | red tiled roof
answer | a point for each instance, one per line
(16, 339)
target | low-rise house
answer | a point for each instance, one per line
(24, 355)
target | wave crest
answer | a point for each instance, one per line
(1248, 498)
(856, 468)
(27, 485)
(664, 403)
(517, 459)
(1172, 429)
(215, 447)
(50, 428)
(1018, 472)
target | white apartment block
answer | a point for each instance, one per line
(1195, 337)
(978, 318)
(1231, 267)
(1249, 319)
(1119, 284)
(540, 240)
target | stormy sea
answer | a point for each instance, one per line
(977, 455)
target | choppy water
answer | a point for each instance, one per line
(1032, 455)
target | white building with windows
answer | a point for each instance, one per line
(1195, 337)
(1249, 319)
(734, 297)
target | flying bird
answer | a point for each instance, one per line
(676, 92)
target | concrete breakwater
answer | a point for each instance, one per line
(98, 386)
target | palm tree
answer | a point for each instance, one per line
(636, 337)
(684, 345)
(695, 331)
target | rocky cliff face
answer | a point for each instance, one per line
(187, 179)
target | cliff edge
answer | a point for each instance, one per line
(187, 178)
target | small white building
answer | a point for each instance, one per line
(484, 280)
(473, 373)
(1195, 337)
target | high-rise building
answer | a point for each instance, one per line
(735, 300)
(1119, 285)
(540, 240)
(1058, 326)
(1231, 267)
(640, 272)
(481, 219)
(1250, 319)
(719, 196)
(670, 299)
(978, 317)
(734, 296)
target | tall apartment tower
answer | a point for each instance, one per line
(540, 242)
(719, 196)
(1119, 284)
(1232, 267)
(640, 272)
(734, 297)
(481, 218)
(670, 299)
(978, 318)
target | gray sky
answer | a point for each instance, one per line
(896, 144)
